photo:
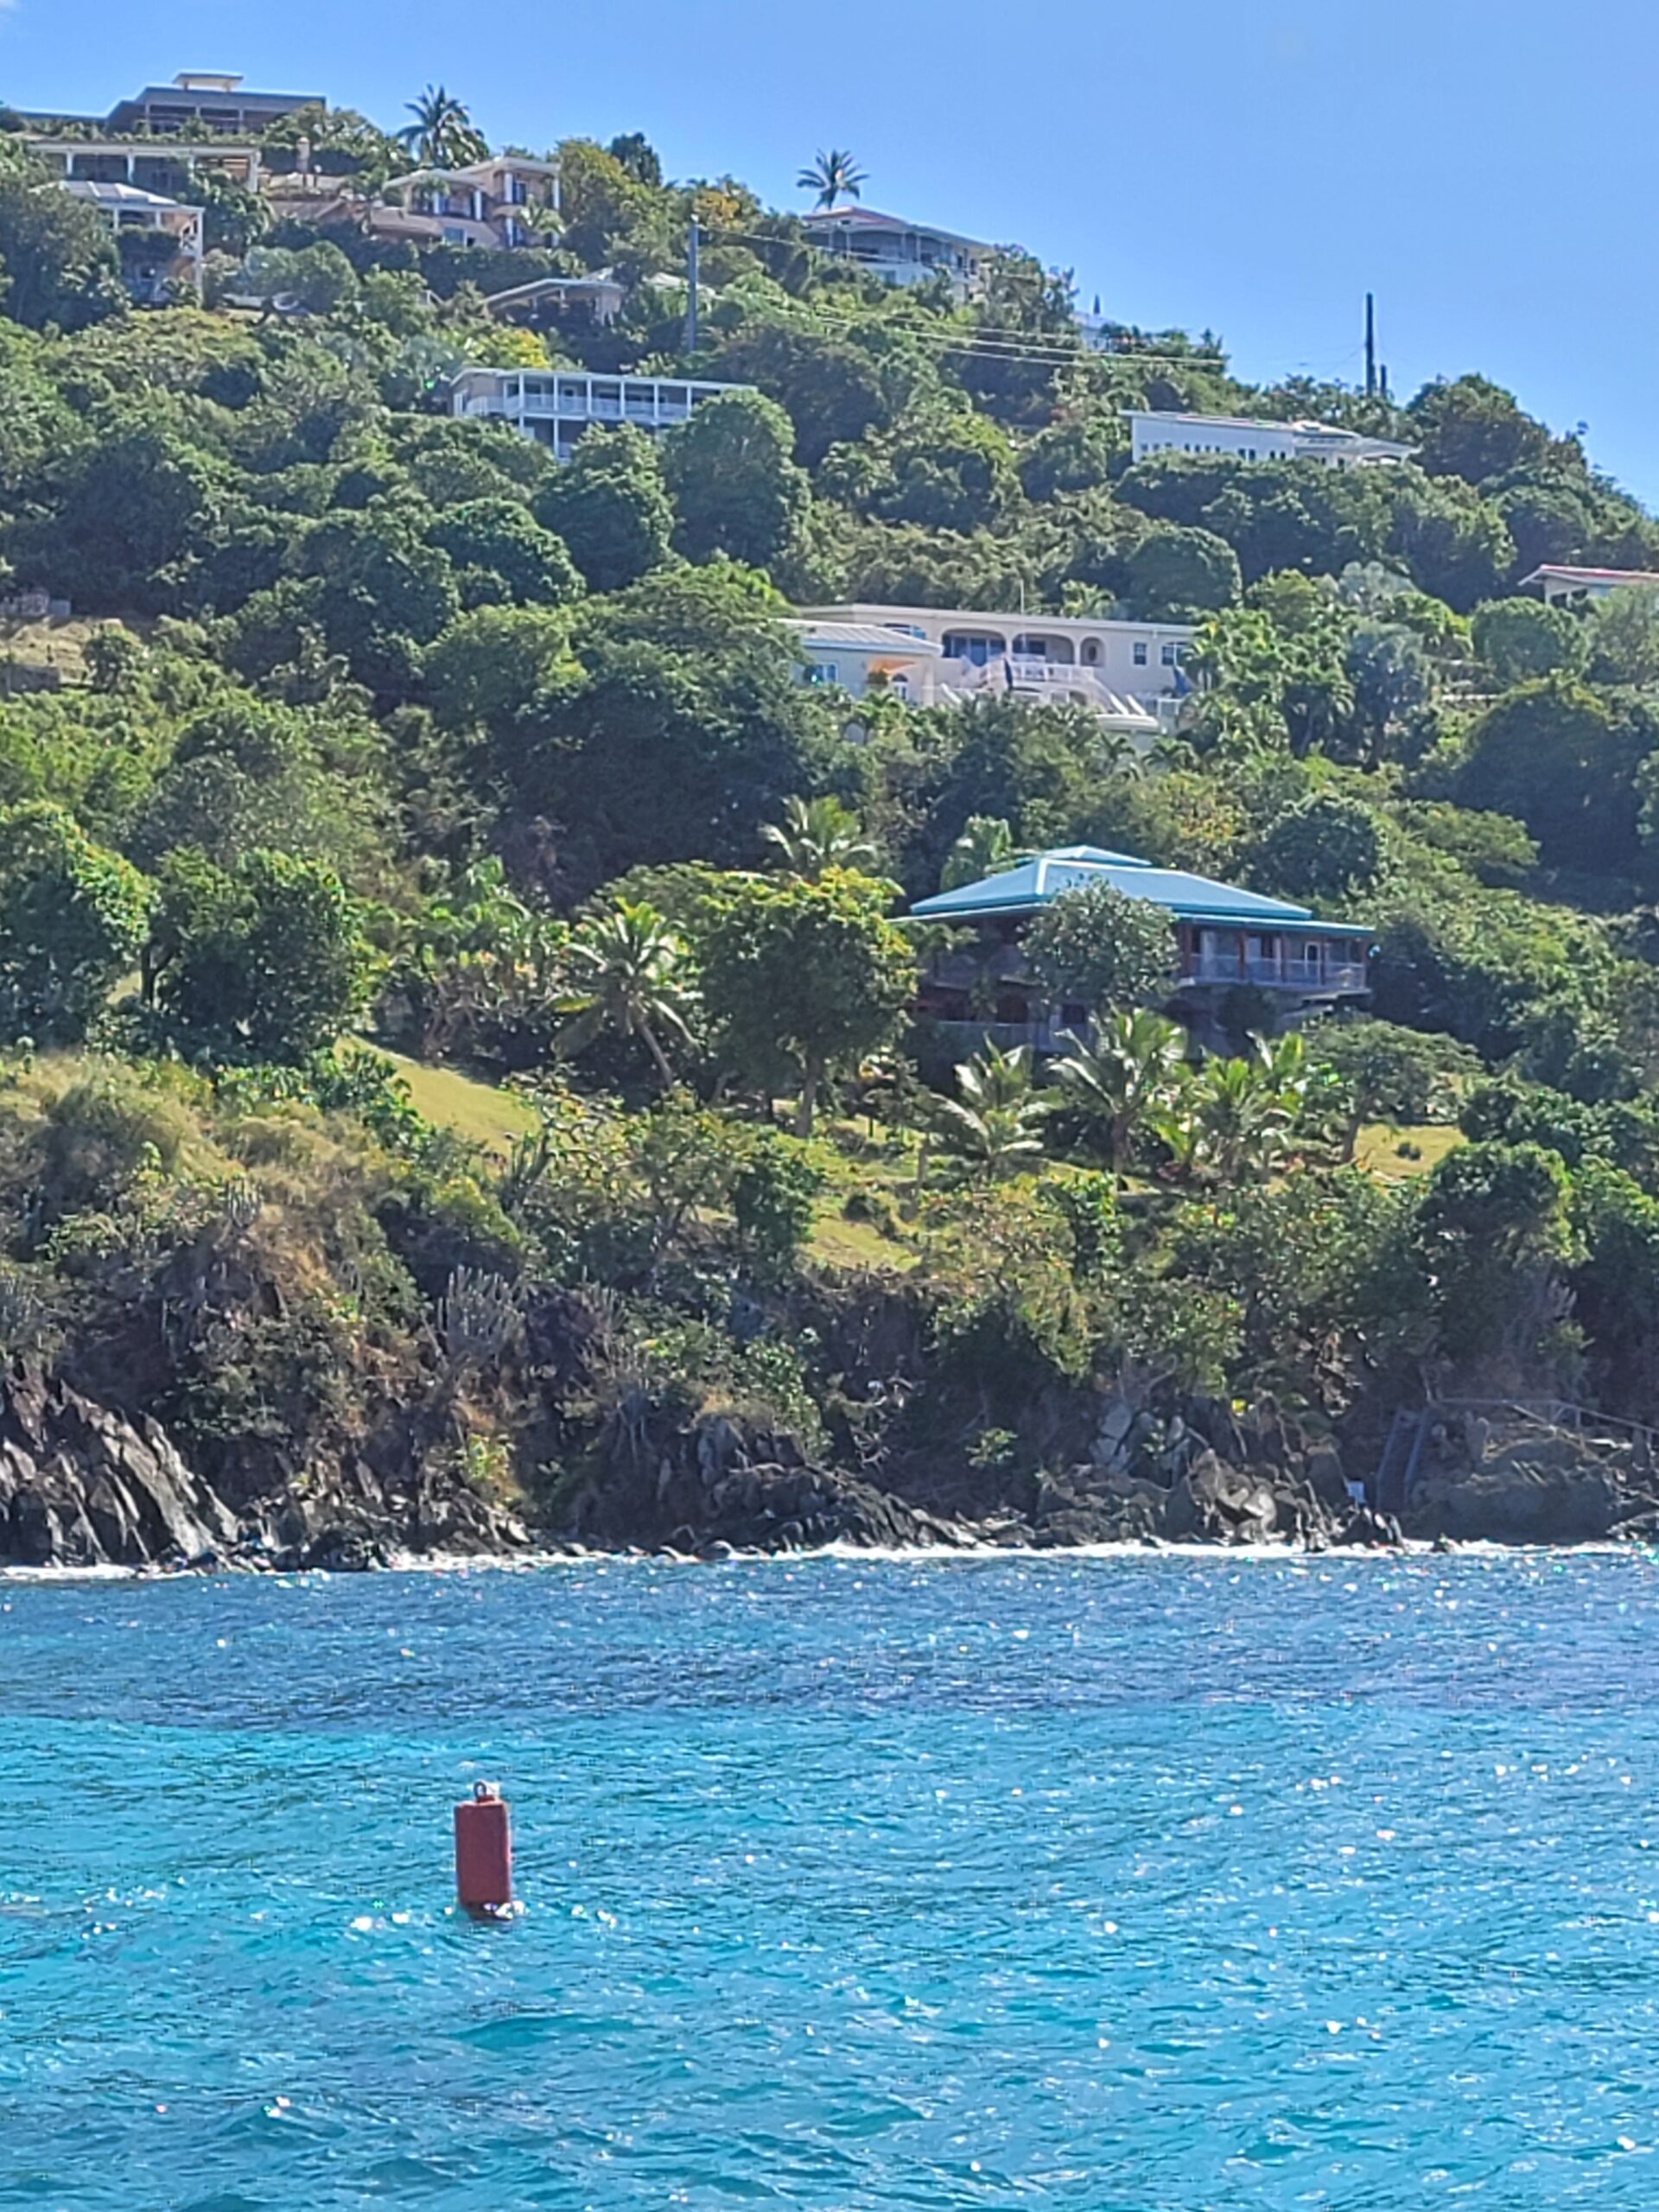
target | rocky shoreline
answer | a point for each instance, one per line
(83, 1487)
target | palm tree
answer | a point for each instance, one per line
(819, 834)
(994, 1127)
(1126, 1074)
(442, 134)
(985, 848)
(630, 972)
(1233, 1120)
(834, 175)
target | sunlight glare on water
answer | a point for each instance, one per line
(1155, 1883)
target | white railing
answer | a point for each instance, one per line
(1004, 670)
(1025, 670)
(1277, 975)
(581, 407)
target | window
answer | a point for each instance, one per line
(822, 672)
(1140, 652)
(976, 645)
(1167, 656)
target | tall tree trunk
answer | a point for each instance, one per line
(1350, 1131)
(1122, 1128)
(658, 1057)
(811, 1075)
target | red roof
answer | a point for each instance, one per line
(1567, 575)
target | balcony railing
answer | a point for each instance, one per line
(1277, 975)
(1037, 672)
(583, 407)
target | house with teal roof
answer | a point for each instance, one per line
(1225, 940)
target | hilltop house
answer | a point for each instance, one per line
(159, 239)
(1241, 437)
(169, 165)
(1560, 586)
(860, 655)
(898, 252)
(593, 299)
(555, 406)
(500, 201)
(1123, 670)
(196, 101)
(1225, 940)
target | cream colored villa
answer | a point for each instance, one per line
(1131, 672)
(496, 202)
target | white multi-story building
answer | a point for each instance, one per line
(555, 406)
(1129, 673)
(500, 201)
(1241, 437)
(898, 252)
(169, 165)
(1561, 585)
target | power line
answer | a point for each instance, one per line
(967, 342)
(982, 336)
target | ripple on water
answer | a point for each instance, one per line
(1128, 1882)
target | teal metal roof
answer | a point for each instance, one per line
(1047, 876)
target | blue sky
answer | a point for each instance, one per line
(1251, 169)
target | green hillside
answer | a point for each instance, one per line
(374, 722)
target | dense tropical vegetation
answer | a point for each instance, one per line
(386, 733)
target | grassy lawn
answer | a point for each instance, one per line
(1378, 1151)
(883, 1169)
(837, 1243)
(477, 1111)
(880, 1167)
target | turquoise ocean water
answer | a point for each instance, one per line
(1156, 1883)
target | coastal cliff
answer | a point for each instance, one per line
(82, 1486)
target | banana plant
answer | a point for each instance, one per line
(993, 1129)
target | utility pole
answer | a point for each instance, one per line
(691, 244)
(1371, 346)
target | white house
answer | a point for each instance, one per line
(898, 252)
(861, 656)
(1241, 437)
(597, 299)
(555, 406)
(167, 166)
(159, 239)
(1130, 672)
(499, 201)
(1560, 584)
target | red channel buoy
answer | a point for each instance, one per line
(483, 1852)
